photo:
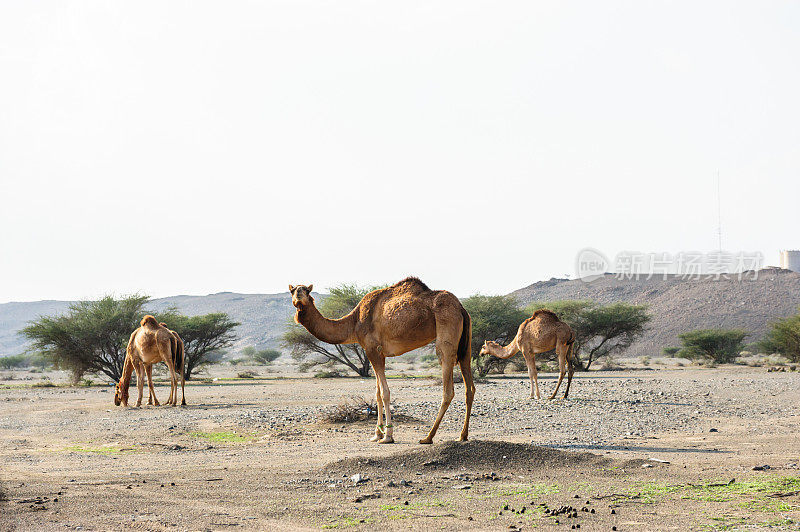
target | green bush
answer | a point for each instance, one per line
(783, 338)
(14, 361)
(717, 346)
(265, 357)
(670, 351)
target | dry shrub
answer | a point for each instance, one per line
(356, 409)
(351, 410)
(246, 375)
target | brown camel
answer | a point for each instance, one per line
(538, 334)
(177, 360)
(148, 344)
(392, 321)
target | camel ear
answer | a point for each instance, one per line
(310, 288)
(291, 289)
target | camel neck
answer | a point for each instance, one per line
(509, 350)
(127, 370)
(339, 331)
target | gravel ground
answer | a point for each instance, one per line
(255, 455)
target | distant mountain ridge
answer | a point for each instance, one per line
(677, 305)
(263, 317)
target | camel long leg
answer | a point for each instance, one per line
(469, 393)
(139, 381)
(380, 374)
(570, 369)
(153, 399)
(379, 402)
(533, 374)
(166, 356)
(562, 362)
(447, 351)
(183, 386)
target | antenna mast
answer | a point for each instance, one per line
(719, 213)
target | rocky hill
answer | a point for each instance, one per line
(679, 305)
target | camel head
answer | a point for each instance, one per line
(488, 347)
(301, 296)
(120, 395)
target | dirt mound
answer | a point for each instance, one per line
(471, 455)
(679, 305)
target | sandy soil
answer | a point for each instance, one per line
(255, 455)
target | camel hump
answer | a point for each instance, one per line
(544, 314)
(412, 282)
(149, 321)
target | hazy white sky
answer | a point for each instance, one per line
(195, 147)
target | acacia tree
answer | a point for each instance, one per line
(717, 346)
(204, 337)
(311, 352)
(493, 318)
(92, 336)
(600, 330)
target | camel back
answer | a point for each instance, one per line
(544, 314)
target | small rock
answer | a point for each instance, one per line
(761, 468)
(713, 430)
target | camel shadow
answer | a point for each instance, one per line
(198, 406)
(638, 448)
(632, 402)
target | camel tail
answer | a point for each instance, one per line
(571, 348)
(465, 343)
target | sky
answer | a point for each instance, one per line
(194, 147)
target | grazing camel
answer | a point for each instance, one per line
(538, 334)
(178, 361)
(392, 321)
(150, 343)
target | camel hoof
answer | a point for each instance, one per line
(386, 439)
(375, 438)
(426, 441)
(463, 438)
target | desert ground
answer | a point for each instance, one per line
(665, 449)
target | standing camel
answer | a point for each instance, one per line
(150, 343)
(538, 334)
(392, 321)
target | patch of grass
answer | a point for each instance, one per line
(93, 450)
(346, 522)
(43, 384)
(414, 505)
(652, 492)
(537, 489)
(222, 436)
(719, 492)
